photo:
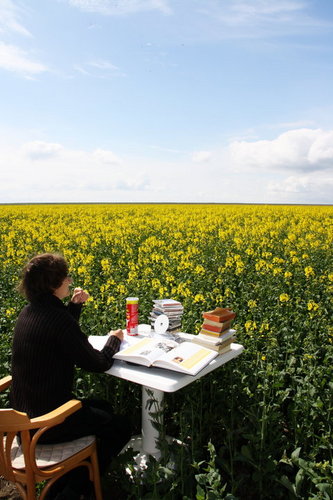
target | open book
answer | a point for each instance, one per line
(185, 357)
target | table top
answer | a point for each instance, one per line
(166, 380)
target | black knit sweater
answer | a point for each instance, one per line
(48, 343)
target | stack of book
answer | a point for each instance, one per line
(170, 308)
(216, 332)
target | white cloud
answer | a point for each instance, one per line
(256, 19)
(105, 65)
(249, 11)
(9, 18)
(305, 187)
(41, 171)
(111, 7)
(99, 68)
(322, 149)
(47, 171)
(140, 182)
(41, 151)
(38, 150)
(201, 156)
(13, 58)
(299, 150)
(296, 124)
(104, 156)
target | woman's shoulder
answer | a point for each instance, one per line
(51, 309)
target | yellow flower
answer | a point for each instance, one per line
(155, 283)
(238, 242)
(109, 300)
(250, 325)
(252, 304)
(323, 465)
(106, 265)
(162, 291)
(199, 269)
(81, 270)
(308, 271)
(198, 298)
(284, 297)
(122, 289)
(312, 306)
(239, 267)
(264, 327)
(229, 262)
(10, 312)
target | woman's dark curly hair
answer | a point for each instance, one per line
(43, 274)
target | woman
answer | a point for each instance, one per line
(48, 343)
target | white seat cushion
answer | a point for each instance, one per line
(50, 454)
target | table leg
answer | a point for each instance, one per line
(146, 443)
(151, 403)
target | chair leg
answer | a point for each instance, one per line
(96, 477)
(31, 490)
(22, 490)
(45, 491)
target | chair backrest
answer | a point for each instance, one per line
(13, 425)
(17, 440)
(5, 382)
(14, 428)
(14, 421)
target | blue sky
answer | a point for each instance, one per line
(166, 100)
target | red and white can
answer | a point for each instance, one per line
(132, 315)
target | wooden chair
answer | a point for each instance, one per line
(26, 463)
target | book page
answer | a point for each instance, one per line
(147, 348)
(187, 357)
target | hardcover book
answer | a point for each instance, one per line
(219, 314)
(217, 329)
(185, 357)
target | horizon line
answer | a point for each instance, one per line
(159, 203)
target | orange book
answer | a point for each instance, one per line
(212, 328)
(219, 315)
(213, 323)
(218, 328)
(209, 333)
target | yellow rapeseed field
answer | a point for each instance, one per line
(200, 254)
(272, 264)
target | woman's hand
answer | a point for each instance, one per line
(117, 333)
(79, 296)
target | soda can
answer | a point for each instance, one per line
(132, 315)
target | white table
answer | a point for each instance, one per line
(155, 382)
